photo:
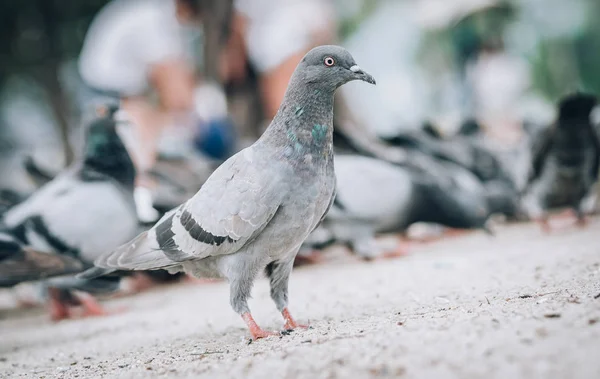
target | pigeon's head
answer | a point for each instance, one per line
(102, 133)
(470, 128)
(104, 150)
(331, 66)
(577, 107)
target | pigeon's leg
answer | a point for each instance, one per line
(394, 248)
(365, 247)
(57, 306)
(241, 274)
(586, 207)
(582, 219)
(256, 330)
(309, 258)
(61, 303)
(533, 204)
(279, 276)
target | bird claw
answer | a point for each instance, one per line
(400, 251)
(315, 257)
(545, 225)
(291, 327)
(90, 308)
(582, 221)
(290, 323)
(58, 310)
(260, 333)
(256, 330)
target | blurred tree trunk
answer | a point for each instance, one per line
(48, 72)
(217, 22)
(38, 36)
(48, 77)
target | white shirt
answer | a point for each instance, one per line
(125, 39)
(281, 28)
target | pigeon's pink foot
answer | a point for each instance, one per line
(582, 221)
(315, 257)
(290, 323)
(565, 215)
(255, 330)
(451, 232)
(544, 224)
(401, 250)
(57, 308)
(91, 306)
(141, 282)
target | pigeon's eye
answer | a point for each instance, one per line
(329, 61)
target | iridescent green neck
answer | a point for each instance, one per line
(305, 119)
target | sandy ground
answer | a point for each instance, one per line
(521, 305)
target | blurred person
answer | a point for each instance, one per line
(276, 35)
(138, 51)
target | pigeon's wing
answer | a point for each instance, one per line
(75, 216)
(19, 264)
(41, 199)
(231, 209)
(331, 201)
(540, 146)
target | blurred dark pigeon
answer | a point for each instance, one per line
(565, 162)
(37, 174)
(81, 213)
(491, 167)
(8, 199)
(465, 148)
(258, 207)
(19, 263)
(375, 196)
(433, 146)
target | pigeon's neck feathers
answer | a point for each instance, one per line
(304, 121)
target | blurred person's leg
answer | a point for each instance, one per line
(273, 83)
(173, 83)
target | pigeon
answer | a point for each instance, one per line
(375, 196)
(565, 162)
(79, 214)
(258, 207)
(466, 148)
(491, 166)
(424, 142)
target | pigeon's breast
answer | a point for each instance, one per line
(300, 212)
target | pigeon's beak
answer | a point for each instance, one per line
(362, 75)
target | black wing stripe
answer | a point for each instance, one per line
(165, 234)
(199, 234)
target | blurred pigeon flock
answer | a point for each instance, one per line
(145, 140)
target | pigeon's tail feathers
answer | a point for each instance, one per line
(142, 253)
(20, 264)
(94, 272)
